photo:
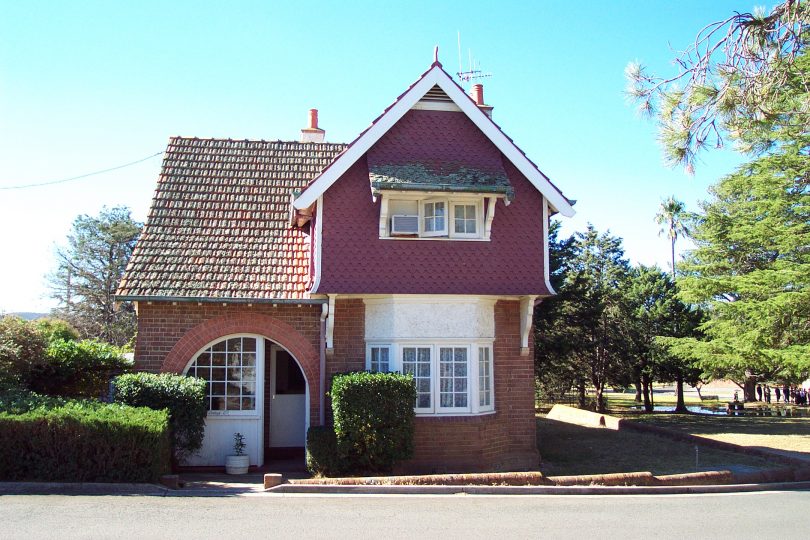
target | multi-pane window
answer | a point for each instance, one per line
(380, 359)
(464, 219)
(434, 218)
(452, 377)
(484, 378)
(229, 369)
(416, 361)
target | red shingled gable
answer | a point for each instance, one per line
(356, 260)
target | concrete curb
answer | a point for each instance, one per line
(532, 490)
(80, 488)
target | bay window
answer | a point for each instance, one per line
(451, 378)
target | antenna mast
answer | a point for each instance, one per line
(473, 72)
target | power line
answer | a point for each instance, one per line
(63, 180)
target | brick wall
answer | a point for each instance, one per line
(170, 334)
(505, 440)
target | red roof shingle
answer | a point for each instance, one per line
(219, 222)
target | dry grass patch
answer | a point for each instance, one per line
(568, 449)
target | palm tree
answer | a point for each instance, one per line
(670, 216)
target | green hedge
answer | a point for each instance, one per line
(182, 396)
(79, 369)
(83, 441)
(322, 452)
(373, 416)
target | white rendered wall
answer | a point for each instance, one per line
(427, 317)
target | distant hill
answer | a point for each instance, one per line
(28, 315)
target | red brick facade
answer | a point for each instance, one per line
(504, 440)
(170, 335)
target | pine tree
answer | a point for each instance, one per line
(745, 77)
(751, 270)
(88, 272)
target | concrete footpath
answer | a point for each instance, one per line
(232, 490)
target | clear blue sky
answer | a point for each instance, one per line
(89, 85)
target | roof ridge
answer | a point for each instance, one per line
(175, 138)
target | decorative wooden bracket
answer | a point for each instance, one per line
(526, 313)
(492, 201)
(383, 216)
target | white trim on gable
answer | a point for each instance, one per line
(435, 76)
(546, 224)
(318, 246)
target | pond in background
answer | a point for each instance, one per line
(721, 411)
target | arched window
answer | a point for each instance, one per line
(229, 368)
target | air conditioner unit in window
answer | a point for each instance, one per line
(404, 224)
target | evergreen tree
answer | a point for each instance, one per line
(88, 272)
(656, 313)
(582, 335)
(751, 271)
(745, 77)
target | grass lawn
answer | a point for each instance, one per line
(570, 449)
(790, 435)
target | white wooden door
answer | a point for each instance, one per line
(288, 414)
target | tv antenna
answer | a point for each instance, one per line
(473, 72)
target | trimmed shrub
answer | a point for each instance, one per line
(22, 348)
(182, 396)
(84, 441)
(373, 415)
(322, 451)
(54, 329)
(80, 369)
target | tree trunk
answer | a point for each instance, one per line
(750, 389)
(637, 384)
(680, 407)
(581, 393)
(673, 259)
(600, 404)
(645, 383)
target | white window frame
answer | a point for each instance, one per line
(391, 356)
(395, 364)
(423, 217)
(490, 375)
(437, 385)
(259, 382)
(484, 210)
(479, 221)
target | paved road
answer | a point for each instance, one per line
(272, 516)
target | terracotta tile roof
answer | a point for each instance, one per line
(219, 222)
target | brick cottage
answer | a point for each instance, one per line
(266, 267)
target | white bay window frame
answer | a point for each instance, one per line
(472, 347)
(424, 216)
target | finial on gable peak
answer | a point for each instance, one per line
(436, 57)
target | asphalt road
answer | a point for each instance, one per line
(737, 516)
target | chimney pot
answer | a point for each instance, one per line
(478, 94)
(312, 133)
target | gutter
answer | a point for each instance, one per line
(214, 300)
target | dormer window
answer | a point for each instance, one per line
(434, 218)
(462, 216)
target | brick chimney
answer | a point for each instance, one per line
(477, 95)
(312, 133)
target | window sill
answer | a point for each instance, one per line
(454, 415)
(434, 238)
